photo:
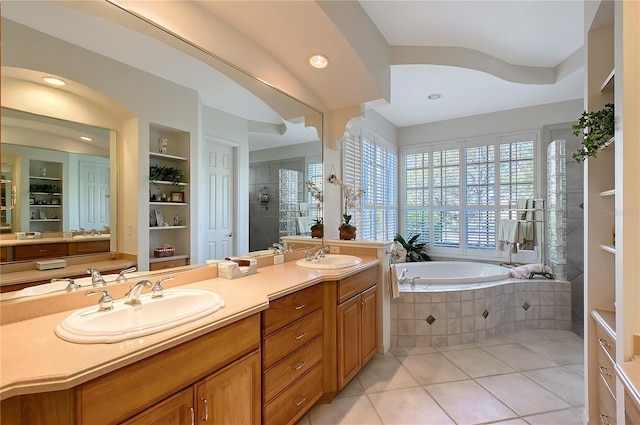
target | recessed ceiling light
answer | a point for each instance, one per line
(86, 139)
(54, 81)
(319, 61)
(434, 96)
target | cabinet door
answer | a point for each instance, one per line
(176, 410)
(348, 340)
(369, 329)
(231, 396)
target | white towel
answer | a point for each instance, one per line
(507, 235)
(393, 282)
(527, 228)
(523, 272)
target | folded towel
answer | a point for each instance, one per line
(393, 282)
(523, 272)
(507, 235)
(521, 206)
(527, 228)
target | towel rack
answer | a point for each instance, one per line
(543, 231)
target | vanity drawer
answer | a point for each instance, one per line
(288, 309)
(606, 342)
(90, 247)
(291, 368)
(606, 404)
(606, 370)
(290, 338)
(44, 250)
(160, 265)
(296, 400)
(356, 284)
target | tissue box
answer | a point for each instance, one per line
(50, 264)
(28, 235)
(233, 269)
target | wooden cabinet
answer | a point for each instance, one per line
(605, 339)
(43, 250)
(356, 334)
(217, 375)
(292, 329)
(350, 328)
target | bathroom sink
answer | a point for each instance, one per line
(176, 307)
(330, 261)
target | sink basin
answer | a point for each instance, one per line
(330, 261)
(178, 306)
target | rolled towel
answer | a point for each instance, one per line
(523, 272)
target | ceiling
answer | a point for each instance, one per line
(390, 55)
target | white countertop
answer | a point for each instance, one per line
(33, 359)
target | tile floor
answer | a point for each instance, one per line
(526, 377)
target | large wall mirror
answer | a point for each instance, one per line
(38, 33)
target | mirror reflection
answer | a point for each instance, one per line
(61, 172)
(142, 101)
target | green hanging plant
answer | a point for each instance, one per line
(168, 174)
(596, 128)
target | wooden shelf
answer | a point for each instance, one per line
(46, 178)
(48, 219)
(610, 192)
(44, 206)
(167, 156)
(166, 227)
(166, 203)
(164, 182)
(608, 248)
(160, 259)
(46, 193)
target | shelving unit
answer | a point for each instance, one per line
(45, 196)
(169, 201)
(612, 202)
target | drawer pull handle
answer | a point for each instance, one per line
(206, 409)
(604, 342)
(192, 415)
(603, 370)
(300, 366)
(302, 400)
(604, 419)
(300, 307)
(301, 335)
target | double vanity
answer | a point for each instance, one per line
(259, 349)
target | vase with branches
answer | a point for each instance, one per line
(317, 229)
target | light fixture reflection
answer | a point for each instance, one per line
(86, 139)
(434, 96)
(319, 61)
(54, 81)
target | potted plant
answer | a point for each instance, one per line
(351, 197)
(158, 173)
(317, 230)
(597, 129)
(416, 251)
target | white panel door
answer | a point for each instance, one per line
(219, 199)
(94, 196)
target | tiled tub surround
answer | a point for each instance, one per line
(444, 318)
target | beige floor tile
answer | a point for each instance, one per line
(353, 388)
(562, 382)
(522, 395)
(498, 340)
(432, 368)
(355, 410)
(576, 368)
(383, 374)
(476, 362)
(526, 335)
(519, 357)
(457, 347)
(563, 351)
(563, 417)
(411, 351)
(408, 406)
(511, 422)
(468, 403)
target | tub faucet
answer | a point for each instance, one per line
(96, 277)
(133, 296)
(402, 277)
(319, 253)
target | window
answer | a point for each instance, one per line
(372, 164)
(314, 175)
(453, 192)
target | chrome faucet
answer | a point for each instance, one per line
(105, 303)
(72, 286)
(121, 275)
(158, 290)
(133, 296)
(96, 277)
(84, 231)
(319, 253)
(278, 248)
(402, 278)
